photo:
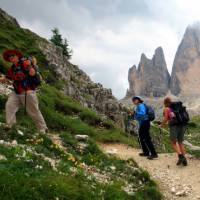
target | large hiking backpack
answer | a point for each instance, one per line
(150, 112)
(180, 112)
(37, 79)
(21, 73)
(33, 80)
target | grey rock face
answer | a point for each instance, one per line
(186, 68)
(4, 17)
(132, 78)
(151, 78)
(79, 85)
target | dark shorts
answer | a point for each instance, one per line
(177, 133)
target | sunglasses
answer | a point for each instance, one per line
(12, 56)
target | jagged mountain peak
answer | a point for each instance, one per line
(159, 50)
(151, 78)
(185, 71)
(195, 26)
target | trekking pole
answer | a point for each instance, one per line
(25, 102)
(187, 129)
(161, 129)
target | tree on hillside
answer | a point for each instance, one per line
(63, 43)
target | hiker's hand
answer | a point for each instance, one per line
(163, 125)
(32, 72)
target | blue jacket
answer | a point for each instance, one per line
(141, 113)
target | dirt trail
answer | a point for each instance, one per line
(182, 183)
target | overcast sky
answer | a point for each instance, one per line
(108, 36)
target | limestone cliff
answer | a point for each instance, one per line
(151, 78)
(186, 68)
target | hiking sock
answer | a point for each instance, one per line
(180, 157)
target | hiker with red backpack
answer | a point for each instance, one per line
(25, 79)
(176, 116)
(144, 115)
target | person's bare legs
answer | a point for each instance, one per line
(182, 148)
(182, 155)
(175, 147)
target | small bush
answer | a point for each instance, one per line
(90, 117)
(67, 106)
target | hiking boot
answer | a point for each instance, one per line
(43, 132)
(180, 157)
(6, 127)
(143, 154)
(151, 157)
(184, 161)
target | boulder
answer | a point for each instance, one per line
(82, 137)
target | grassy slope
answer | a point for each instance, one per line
(33, 167)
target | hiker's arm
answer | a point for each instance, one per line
(140, 112)
(165, 119)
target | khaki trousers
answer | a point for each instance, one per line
(15, 101)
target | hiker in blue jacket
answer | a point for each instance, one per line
(140, 114)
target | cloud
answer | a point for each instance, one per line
(109, 36)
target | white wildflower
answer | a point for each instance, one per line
(38, 167)
(1, 141)
(2, 157)
(20, 132)
(14, 142)
(113, 168)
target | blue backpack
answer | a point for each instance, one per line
(150, 112)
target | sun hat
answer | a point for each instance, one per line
(138, 98)
(10, 52)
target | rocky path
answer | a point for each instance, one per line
(181, 183)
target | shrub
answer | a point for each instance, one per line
(114, 192)
(90, 117)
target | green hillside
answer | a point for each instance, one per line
(57, 165)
